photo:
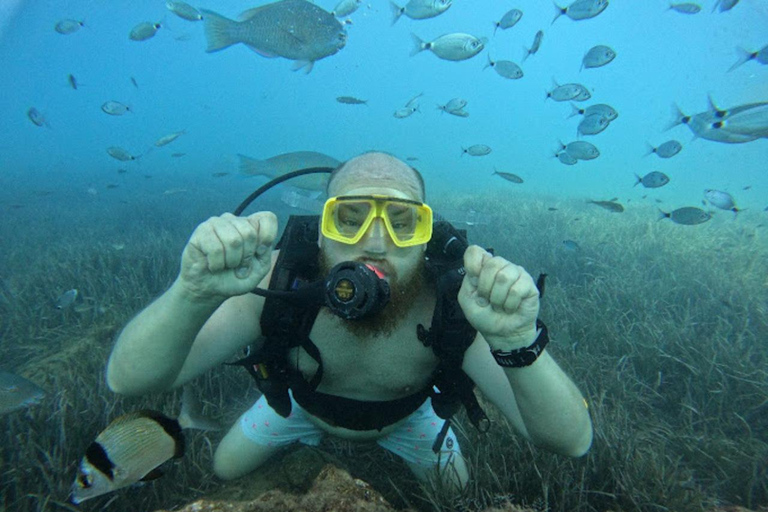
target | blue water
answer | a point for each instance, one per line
(236, 101)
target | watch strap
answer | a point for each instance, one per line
(524, 356)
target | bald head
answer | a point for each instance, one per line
(376, 169)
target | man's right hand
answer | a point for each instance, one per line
(228, 255)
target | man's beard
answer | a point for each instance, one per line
(403, 291)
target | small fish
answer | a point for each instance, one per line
(604, 110)
(535, 46)
(419, 9)
(459, 113)
(581, 9)
(476, 150)
(72, 81)
(167, 139)
(746, 187)
(566, 158)
(404, 112)
(118, 246)
(414, 102)
(134, 82)
(454, 47)
(67, 27)
(183, 10)
(144, 31)
(687, 216)
(598, 56)
(66, 299)
(725, 5)
(653, 179)
(568, 92)
(219, 174)
(581, 150)
(346, 7)
(119, 153)
(571, 245)
(592, 124)
(685, 8)
(552, 209)
(722, 200)
(132, 448)
(665, 150)
(514, 178)
(412, 159)
(351, 100)
(509, 20)
(16, 393)
(455, 106)
(505, 68)
(115, 108)
(611, 206)
(760, 56)
(112, 186)
(36, 117)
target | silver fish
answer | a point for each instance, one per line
(687, 216)
(581, 9)
(720, 199)
(752, 121)
(36, 117)
(509, 20)
(414, 102)
(115, 108)
(598, 56)
(296, 30)
(566, 158)
(455, 47)
(167, 139)
(284, 163)
(350, 100)
(602, 109)
(183, 10)
(702, 126)
(119, 153)
(535, 46)
(665, 150)
(66, 299)
(581, 150)
(571, 245)
(568, 92)
(592, 124)
(144, 31)
(725, 5)
(514, 178)
(505, 68)
(653, 179)
(419, 9)
(760, 56)
(67, 27)
(476, 150)
(346, 7)
(404, 112)
(455, 104)
(16, 393)
(685, 8)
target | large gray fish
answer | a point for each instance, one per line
(509, 20)
(287, 162)
(581, 9)
(604, 110)
(455, 47)
(296, 30)
(419, 9)
(653, 179)
(687, 216)
(16, 393)
(598, 56)
(722, 200)
(132, 448)
(760, 56)
(505, 68)
(537, 39)
(751, 121)
(568, 92)
(666, 150)
(612, 206)
(701, 125)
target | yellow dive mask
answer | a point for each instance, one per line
(347, 218)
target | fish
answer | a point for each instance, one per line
(178, 155)
(592, 124)
(144, 31)
(66, 27)
(571, 245)
(453, 105)
(566, 158)
(346, 7)
(751, 121)
(167, 139)
(404, 112)
(509, 20)
(419, 9)
(134, 82)
(72, 81)
(302, 202)
(598, 56)
(687, 216)
(296, 30)
(653, 179)
(133, 447)
(183, 10)
(458, 113)
(724, 5)
(581, 150)
(476, 150)
(745, 56)
(722, 200)
(505, 68)
(36, 117)
(527, 52)
(685, 8)
(66, 299)
(454, 47)
(666, 150)
(611, 206)
(351, 100)
(287, 162)
(16, 393)
(606, 111)
(514, 178)
(568, 92)
(701, 126)
(119, 153)
(115, 108)
(581, 9)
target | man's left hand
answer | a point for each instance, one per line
(499, 299)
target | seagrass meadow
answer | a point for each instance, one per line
(663, 327)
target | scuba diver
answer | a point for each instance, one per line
(373, 322)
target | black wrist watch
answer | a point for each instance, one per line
(525, 356)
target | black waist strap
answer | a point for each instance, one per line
(357, 414)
